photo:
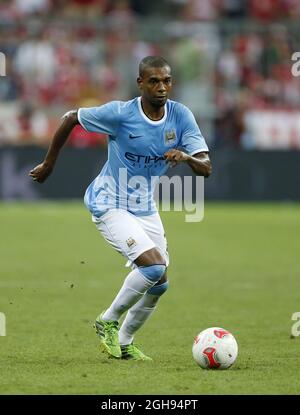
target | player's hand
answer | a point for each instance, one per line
(41, 172)
(175, 157)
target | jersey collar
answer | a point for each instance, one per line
(148, 119)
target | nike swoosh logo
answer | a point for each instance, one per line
(134, 136)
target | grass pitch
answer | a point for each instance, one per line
(238, 269)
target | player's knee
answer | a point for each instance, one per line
(150, 257)
(153, 272)
(163, 279)
(159, 289)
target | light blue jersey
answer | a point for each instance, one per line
(136, 148)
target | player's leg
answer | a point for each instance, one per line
(136, 284)
(125, 234)
(139, 313)
(150, 269)
(137, 316)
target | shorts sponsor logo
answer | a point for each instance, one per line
(130, 242)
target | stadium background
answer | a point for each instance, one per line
(232, 66)
(231, 62)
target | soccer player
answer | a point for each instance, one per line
(146, 135)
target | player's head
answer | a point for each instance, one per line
(154, 80)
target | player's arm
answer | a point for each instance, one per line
(43, 170)
(199, 163)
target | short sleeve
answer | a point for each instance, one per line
(192, 141)
(103, 119)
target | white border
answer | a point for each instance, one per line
(199, 151)
(148, 119)
(79, 118)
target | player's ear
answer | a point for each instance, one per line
(139, 82)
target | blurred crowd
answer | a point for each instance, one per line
(228, 57)
(263, 10)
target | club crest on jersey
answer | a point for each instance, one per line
(130, 242)
(170, 137)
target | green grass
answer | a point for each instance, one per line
(238, 269)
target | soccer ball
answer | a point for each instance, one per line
(215, 348)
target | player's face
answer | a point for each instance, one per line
(155, 85)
